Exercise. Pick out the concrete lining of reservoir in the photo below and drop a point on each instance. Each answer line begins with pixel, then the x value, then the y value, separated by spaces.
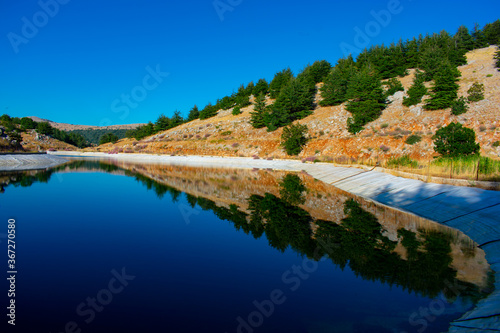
pixel 475 212
pixel 24 162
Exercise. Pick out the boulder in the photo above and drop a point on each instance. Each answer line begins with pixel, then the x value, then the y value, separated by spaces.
pixel 417 111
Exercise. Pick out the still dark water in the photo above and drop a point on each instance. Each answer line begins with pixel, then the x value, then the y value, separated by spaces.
pixel 105 248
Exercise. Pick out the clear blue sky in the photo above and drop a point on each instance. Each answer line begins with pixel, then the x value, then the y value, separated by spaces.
pixel 87 54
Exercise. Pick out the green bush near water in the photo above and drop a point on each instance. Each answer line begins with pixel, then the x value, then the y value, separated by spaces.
pixel 403 161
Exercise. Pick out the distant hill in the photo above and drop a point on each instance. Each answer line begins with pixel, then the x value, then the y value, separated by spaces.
pixel 72 127
pixel 94 135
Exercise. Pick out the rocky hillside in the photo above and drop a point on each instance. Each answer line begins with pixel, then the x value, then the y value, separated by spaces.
pixel 229 135
pixel 30 141
pixel 71 127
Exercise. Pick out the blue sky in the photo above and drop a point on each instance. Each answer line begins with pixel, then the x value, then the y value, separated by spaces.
pixel 81 59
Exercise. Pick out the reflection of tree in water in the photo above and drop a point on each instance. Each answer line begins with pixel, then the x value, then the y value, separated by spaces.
pixel 285 225
pixel 292 190
pixel 160 189
pixel 357 242
pixel 25 179
pixel 28 178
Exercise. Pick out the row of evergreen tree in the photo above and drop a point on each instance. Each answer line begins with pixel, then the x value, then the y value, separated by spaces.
pixel 355 81
pixel 163 123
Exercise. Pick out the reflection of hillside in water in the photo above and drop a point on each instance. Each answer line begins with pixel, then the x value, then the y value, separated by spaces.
pixel 376 242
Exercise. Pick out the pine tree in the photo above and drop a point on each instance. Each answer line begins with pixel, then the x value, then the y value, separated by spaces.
pixel 445 88
pixel 262 87
pixel 463 40
pixel 243 101
pixel 208 111
pixel 492 32
pixel 396 54
pixel 431 59
pixel 176 119
pixel 315 72
pixel 416 91
pixel 334 88
pixel 258 115
pixel 226 102
pixel 194 113
pixel 44 128
pixel 367 98
pixel 478 37
pixel 162 123
pixel 249 89
pixel 411 53
pixel 295 101
pixel 280 80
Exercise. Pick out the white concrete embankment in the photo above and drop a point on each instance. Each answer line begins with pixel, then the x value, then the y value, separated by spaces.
pixel 21 162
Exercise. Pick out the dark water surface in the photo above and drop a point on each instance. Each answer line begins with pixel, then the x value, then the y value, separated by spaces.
pixel 135 248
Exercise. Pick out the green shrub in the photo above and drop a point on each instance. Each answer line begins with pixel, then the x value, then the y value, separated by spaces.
pixel 236 111
pixel 459 106
pixel 412 139
pixel 455 140
pixel 294 138
pixel 226 133
pixel 476 92
pixel 496 144
pixel 403 161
